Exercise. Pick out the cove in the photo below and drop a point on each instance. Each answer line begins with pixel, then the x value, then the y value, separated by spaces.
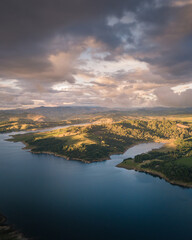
pixel 50 198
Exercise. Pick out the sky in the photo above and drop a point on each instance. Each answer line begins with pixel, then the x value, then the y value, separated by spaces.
pixel 108 53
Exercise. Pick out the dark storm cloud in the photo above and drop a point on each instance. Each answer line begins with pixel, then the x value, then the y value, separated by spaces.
pixel 170 34
pixel 41 43
pixel 28 21
pixel 28 27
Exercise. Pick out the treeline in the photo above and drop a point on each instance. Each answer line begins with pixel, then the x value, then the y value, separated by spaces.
pixel 172 170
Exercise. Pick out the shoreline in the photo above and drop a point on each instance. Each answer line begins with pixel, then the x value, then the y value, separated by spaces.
pixel 120 165
pixel 8 231
pixel 27 147
pixel 156 174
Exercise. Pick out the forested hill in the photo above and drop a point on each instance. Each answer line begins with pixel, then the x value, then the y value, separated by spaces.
pixel 98 141
pixel 173 162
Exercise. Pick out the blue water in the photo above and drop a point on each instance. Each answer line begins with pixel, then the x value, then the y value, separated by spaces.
pixel 50 198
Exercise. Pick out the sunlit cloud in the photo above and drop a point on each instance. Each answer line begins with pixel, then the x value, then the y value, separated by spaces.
pixel 9 83
pixel 182 88
pixel 181 3
pixel 107 67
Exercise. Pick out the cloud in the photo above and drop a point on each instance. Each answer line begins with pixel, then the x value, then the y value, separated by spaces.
pixel 167 97
pixel 105 52
pixel 127 18
pixel 181 3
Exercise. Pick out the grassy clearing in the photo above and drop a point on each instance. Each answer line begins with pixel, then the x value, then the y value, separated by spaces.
pixel 129 164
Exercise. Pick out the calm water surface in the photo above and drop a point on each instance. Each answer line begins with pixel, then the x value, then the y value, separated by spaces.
pixel 50 198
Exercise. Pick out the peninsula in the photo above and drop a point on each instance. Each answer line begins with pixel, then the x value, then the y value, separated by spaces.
pixel 96 142
pixel 173 162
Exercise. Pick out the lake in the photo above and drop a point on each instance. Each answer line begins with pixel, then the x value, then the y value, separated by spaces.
pixel 50 198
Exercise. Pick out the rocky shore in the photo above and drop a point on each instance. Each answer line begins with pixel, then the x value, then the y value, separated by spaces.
pixel 8 232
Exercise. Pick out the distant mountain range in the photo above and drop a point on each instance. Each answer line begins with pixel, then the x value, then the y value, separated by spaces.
pixel 63 113
pixel 50 113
